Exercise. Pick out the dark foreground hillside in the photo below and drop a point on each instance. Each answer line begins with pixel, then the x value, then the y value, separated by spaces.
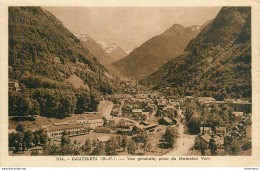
pixel 55 73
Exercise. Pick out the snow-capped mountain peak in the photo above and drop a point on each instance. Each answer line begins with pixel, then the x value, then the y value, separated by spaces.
pixel 195 27
pixel 107 46
pixel 128 51
pixel 82 37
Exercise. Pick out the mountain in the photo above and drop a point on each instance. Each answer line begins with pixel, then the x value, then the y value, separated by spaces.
pixel 114 51
pixel 128 51
pixel 57 74
pixel 94 48
pixel 216 63
pixel 151 55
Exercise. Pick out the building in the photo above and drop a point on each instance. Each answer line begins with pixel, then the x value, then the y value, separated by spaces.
pixel 242 106
pixel 122 123
pixel 175 104
pixel 219 140
pixel 61 124
pixel 202 140
pixel 103 138
pixel 151 127
pixel 220 103
pixel 127 110
pixel 237 114
pixel 149 108
pixel 205 130
pixel 91 123
pixel 11 131
pixel 221 131
pixel 71 130
pixel 135 106
pixel 206 100
pixel 137 112
pixel 102 130
pixel 13 86
pixel 166 121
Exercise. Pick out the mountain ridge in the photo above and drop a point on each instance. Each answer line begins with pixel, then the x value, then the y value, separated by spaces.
pixel 152 54
pixel 216 63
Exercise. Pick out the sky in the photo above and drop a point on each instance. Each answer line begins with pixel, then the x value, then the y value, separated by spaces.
pixel 129 27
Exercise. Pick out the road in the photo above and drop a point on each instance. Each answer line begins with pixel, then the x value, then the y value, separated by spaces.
pixel 183 144
pixel 105 107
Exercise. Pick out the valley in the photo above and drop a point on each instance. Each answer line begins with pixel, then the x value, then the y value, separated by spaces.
pixel 184 92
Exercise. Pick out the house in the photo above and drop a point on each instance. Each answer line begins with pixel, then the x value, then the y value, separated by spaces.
pixel 189 98
pixel 237 114
pixel 91 123
pixel 102 130
pixel 219 140
pixel 169 108
pixel 137 112
pixel 144 123
pixel 221 131
pixel 61 124
pixel 149 108
pixel 202 141
pixel 236 133
pixel 11 131
pixel 147 114
pixel 103 138
pixel 242 106
pixel 124 131
pixel 166 121
pixel 116 112
pixel 135 106
pixel 127 110
pixel 122 123
pixel 13 86
pixel 71 130
pixel 206 99
pixel 151 127
pixel 91 113
pixel 161 104
pixel 205 130
pixel 175 104
pixel 227 140
pixel 220 103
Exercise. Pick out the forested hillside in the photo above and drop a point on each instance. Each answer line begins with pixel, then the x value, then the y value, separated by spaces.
pixel 44 59
pixel 216 63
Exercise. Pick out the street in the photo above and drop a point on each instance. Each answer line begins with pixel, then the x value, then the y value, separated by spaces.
pixel 183 144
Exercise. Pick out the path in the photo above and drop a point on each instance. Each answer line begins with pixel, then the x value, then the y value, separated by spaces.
pixel 183 144
pixel 105 108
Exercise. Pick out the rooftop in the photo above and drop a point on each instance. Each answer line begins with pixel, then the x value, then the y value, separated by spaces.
pixel 103 138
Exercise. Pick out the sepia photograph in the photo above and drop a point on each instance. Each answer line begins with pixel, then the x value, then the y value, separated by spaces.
pixel 87 81
pixel 89 84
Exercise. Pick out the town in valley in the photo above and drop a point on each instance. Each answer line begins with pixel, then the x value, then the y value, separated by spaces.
pixel 185 92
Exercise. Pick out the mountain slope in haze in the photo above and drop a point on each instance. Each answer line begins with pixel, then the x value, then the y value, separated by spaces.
pixel 151 55
pixel 45 59
pixel 115 52
pixel 216 63
pixel 94 48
